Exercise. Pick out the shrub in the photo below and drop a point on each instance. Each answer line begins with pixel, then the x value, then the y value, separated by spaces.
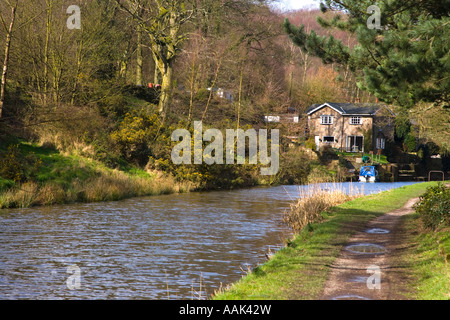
pixel 402 127
pixel 410 143
pixel 294 168
pixel 141 135
pixel 311 143
pixel 11 168
pixel 434 207
pixel 18 168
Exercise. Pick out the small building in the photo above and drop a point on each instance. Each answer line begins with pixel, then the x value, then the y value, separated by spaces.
pixel 222 93
pixel 351 127
pixel 291 115
pixel 282 118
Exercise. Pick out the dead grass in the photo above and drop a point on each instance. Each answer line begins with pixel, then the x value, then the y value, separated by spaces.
pixel 107 186
pixel 313 201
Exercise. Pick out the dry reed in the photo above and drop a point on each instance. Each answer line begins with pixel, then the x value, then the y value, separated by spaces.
pixel 107 186
pixel 313 201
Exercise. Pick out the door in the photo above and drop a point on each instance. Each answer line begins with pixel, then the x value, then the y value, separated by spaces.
pixel 355 144
pixel 317 143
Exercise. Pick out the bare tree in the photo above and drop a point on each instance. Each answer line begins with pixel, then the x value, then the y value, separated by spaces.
pixel 162 21
pixel 9 32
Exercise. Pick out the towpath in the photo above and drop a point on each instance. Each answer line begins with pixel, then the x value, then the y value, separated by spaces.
pixel 367 267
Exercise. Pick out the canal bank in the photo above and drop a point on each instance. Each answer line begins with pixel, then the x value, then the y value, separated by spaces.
pixel 300 270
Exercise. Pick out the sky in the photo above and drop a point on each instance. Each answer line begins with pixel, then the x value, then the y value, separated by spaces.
pixel 297 4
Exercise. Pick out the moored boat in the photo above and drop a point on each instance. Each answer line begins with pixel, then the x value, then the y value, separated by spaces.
pixel 369 174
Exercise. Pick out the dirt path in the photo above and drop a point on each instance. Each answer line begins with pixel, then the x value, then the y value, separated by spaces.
pixel 371 272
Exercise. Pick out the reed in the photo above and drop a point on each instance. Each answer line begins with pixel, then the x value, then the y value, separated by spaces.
pixel 109 185
pixel 20 197
pixel 313 201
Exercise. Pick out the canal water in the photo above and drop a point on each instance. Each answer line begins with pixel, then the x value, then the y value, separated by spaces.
pixel 163 247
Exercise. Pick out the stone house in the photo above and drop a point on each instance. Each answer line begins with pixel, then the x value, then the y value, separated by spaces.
pixel 351 127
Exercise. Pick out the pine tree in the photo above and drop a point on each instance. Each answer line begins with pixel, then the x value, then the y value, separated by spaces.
pixel 405 61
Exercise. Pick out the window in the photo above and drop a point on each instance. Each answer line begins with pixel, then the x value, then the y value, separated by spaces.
pixel 355 143
pixel 328 139
pixel 326 119
pixel 272 118
pixel 381 143
pixel 355 120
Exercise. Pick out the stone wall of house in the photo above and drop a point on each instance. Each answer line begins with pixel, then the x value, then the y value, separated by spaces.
pixel 340 129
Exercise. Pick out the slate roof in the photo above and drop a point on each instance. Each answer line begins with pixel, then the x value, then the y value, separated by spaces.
pixel 347 108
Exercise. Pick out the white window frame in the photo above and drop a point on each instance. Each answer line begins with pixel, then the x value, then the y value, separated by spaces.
pixel 356 120
pixel 351 147
pixel 326 119
pixel 272 118
pixel 381 143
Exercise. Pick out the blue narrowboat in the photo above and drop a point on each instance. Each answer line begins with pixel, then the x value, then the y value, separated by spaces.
pixel 369 174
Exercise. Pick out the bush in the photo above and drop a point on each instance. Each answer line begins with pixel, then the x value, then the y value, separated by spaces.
pixel 16 167
pixel 311 143
pixel 6 184
pixel 11 168
pixel 410 143
pixel 140 135
pixel 434 207
pixel 402 127
pixel 294 168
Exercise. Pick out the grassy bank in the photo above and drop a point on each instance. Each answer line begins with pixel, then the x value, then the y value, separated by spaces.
pixel 428 254
pixel 53 178
pixel 429 259
pixel 299 271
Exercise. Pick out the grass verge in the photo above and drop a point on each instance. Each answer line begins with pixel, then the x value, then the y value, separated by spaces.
pixel 299 271
pixel 428 257
pixel 62 179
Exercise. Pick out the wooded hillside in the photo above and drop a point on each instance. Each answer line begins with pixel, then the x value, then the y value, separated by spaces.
pixel 86 90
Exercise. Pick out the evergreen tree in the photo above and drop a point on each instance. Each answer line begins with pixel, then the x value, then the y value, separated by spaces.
pixel 404 61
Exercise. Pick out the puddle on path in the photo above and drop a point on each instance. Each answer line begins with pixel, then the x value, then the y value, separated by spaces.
pixel 350 297
pixel 366 248
pixel 377 231
pixel 358 279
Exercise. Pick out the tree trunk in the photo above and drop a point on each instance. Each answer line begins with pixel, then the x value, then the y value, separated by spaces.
pixel 241 80
pixel 157 77
pixel 305 67
pixel 192 87
pixel 139 57
pixel 77 73
pixel 46 50
pixel 166 90
pixel 211 93
pixel 57 70
pixel 5 63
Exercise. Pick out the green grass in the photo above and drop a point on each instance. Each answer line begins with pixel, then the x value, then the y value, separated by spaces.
pixel 429 259
pixel 72 178
pixel 59 168
pixel 299 271
pixel 382 159
pixel 5 184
